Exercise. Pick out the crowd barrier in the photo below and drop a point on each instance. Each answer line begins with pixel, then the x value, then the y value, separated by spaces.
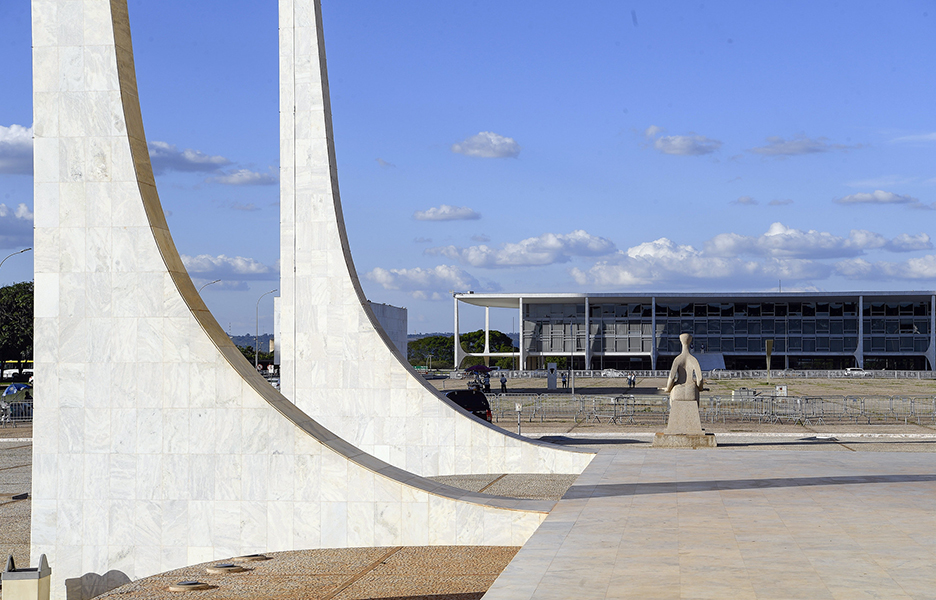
pixel 15 413
pixel 654 410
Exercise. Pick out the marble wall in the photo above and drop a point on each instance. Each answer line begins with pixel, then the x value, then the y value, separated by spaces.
pixel 156 444
pixel 336 362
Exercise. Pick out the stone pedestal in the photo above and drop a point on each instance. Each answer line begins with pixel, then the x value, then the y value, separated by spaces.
pixel 684 440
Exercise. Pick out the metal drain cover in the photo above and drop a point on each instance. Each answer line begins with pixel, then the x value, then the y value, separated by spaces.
pixel 187 586
pixel 224 568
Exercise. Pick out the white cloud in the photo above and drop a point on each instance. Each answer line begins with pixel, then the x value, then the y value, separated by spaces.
pixel 778 146
pixel 913 269
pixel 908 243
pixel 166 157
pixel 781 241
pixel 384 163
pixel 662 263
pixel 447 213
pixel 652 131
pixel 228 268
pixel 686 145
pixel 480 238
pixel 783 202
pixel 16 150
pixel 433 283
pixel 547 249
pixel 16 226
pixel 245 177
pixel 882 197
pixel 487 144
pixel 745 201
pixel 922 137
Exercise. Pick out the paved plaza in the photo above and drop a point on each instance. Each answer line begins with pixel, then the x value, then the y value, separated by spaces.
pixel 780 514
pixel 736 523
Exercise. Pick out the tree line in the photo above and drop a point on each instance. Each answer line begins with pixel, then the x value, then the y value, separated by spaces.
pixel 442 349
pixel 16 324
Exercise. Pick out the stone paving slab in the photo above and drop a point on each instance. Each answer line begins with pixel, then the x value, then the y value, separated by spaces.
pixel 729 523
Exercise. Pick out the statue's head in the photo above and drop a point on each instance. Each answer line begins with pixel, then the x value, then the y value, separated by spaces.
pixel 685 338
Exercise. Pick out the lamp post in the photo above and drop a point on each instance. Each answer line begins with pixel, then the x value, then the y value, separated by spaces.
pixel 257 337
pixel 14 254
pixel 207 284
pixel 430 363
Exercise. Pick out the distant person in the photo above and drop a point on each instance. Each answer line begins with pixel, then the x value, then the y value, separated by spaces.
pixel 503 384
pixel 487 383
pixel 565 382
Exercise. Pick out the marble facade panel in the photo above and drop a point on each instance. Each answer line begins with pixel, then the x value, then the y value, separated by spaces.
pixel 157 445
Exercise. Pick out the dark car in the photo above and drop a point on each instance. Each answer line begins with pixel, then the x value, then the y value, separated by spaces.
pixel 473 401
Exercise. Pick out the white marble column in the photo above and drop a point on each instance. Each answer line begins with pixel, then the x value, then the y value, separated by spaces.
pixel 155 443
pixel 336 362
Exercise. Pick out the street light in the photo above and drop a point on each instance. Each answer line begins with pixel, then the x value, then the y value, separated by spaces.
pixel 14 254
pixel 257 337
pixel 207 284
pixel 430 362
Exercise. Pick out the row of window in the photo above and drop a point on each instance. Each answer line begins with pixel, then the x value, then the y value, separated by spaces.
pixel 735 344
pixel 920 308
pixel 697 327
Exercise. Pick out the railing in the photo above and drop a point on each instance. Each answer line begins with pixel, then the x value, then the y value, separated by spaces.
pixel 716 374
pixel 654 410
pixel 15 413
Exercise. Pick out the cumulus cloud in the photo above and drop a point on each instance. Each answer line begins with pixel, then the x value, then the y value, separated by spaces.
pixel 778 146
pixel 166 157
pixel 652 131
pixel 16 150
pixel 16 226
pixel 686 145
pixel 228 268
pixel 745 201
pixel 781 241
pixel 547 249
pixel 882 197
pixel 487 144
pixel 783 202
pixel 445 212
pixel 663 262
pixel 245 177
pixel 923 267
pixel 432 283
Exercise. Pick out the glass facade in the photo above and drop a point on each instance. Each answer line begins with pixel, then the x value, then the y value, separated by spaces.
pixel 809 332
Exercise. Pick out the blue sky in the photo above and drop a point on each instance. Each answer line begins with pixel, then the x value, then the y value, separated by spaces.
pixel 532 147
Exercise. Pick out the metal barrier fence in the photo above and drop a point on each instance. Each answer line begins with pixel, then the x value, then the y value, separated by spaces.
pixel 654 410
pixel 15 413
pixel 715 374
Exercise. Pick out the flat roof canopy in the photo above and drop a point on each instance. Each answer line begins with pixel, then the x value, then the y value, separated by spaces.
pixel 513 300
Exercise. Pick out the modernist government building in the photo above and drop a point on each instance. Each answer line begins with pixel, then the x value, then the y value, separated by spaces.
pixel 873 330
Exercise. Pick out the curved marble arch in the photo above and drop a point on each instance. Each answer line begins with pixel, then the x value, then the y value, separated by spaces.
pixel 155 443
pixel 336 362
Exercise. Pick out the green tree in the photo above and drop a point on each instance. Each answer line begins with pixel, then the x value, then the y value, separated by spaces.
pixel 248 352
pixel 16 322
pixel 441 347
